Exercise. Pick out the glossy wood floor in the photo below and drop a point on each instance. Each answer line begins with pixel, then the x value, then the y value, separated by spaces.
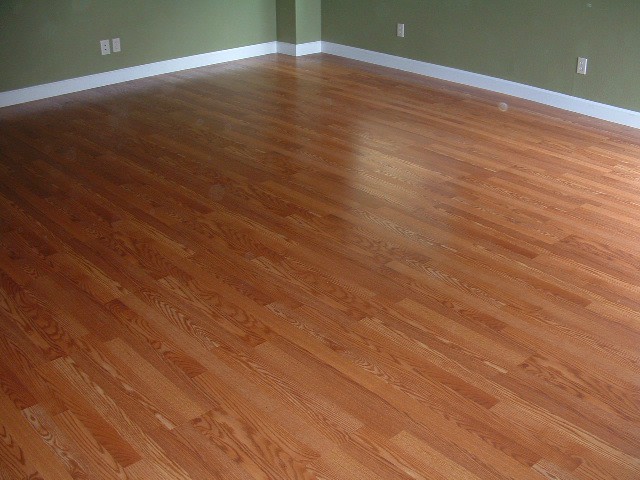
pixel 313 268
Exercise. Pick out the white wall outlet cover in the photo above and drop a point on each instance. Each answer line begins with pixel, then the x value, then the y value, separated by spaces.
pixel 105 47
pixel 116 44
pixel 400 30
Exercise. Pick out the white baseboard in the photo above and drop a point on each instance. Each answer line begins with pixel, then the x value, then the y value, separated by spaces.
pixel 287 49
pixel 299 50
pixel 78 84
pixel 546 97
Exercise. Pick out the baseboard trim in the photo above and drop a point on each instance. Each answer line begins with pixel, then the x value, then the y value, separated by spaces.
pixel 78 84
pixel 590 108
pixel 299 50
pixel 287 49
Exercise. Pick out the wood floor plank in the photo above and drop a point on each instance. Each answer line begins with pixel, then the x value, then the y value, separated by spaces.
pixel 313 268
pixel 27 447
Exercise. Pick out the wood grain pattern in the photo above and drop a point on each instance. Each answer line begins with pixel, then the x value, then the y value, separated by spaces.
pixel 311 268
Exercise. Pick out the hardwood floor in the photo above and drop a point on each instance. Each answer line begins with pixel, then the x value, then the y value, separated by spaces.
pixel 309 268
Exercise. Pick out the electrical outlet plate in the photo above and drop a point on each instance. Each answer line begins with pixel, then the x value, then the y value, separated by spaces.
pixel 400 30
pixel 115 42
pixel 582 65
pixel 105 47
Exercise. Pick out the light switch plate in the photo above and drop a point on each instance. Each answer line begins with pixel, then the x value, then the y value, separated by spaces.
pixel 582 65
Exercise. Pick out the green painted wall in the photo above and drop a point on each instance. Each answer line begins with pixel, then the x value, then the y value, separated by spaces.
pixel 43 41
pixel 308 21
pixel 286 15
pixel 534 42
pixel 299 21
